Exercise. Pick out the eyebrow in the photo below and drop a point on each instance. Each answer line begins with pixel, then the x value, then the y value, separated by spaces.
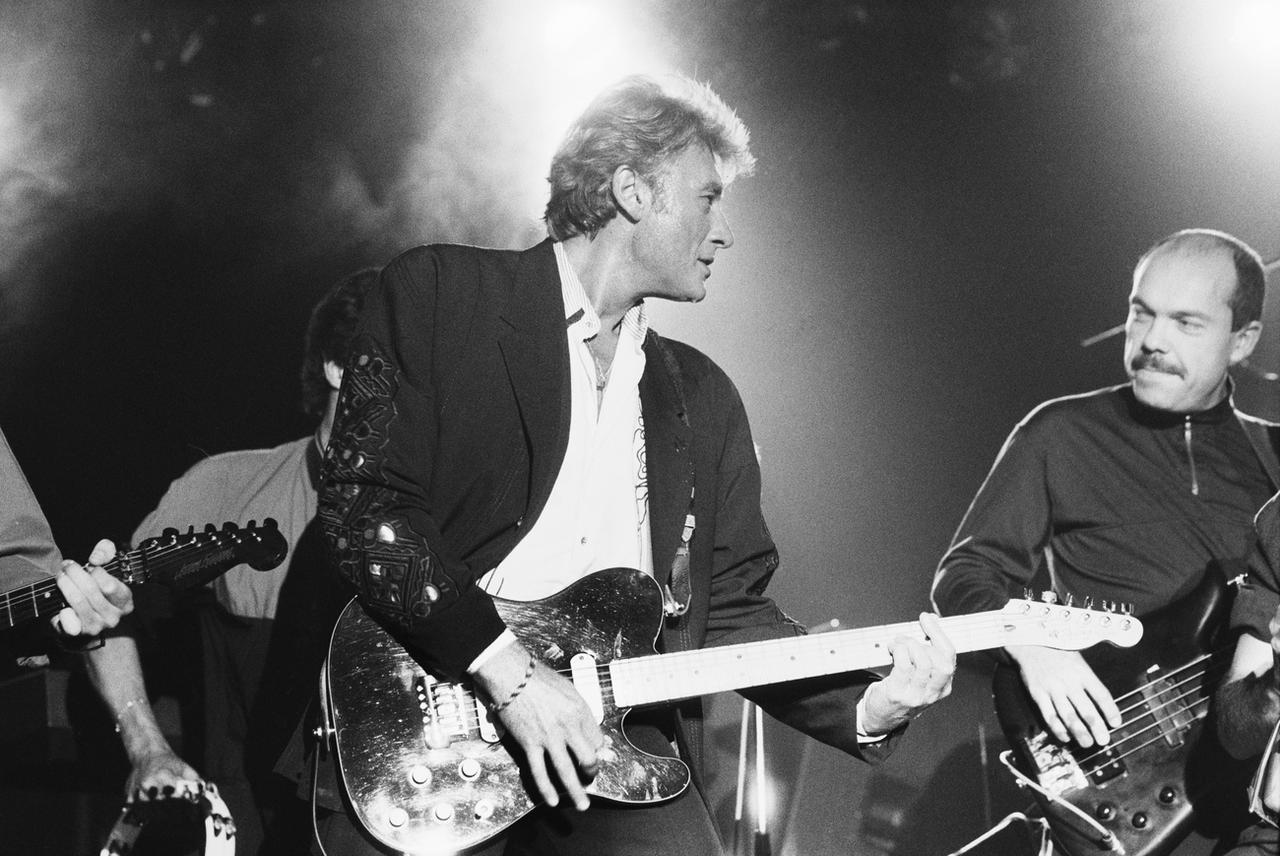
pixel 1180 315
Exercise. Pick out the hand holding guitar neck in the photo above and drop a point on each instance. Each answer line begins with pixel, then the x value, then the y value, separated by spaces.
pixel 96 601
pixel 548 720
pixel 921 675
pixel 1072 701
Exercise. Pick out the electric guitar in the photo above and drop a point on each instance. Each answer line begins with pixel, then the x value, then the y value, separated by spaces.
pixel 427 770
pixel 1142 793
pixel 176 560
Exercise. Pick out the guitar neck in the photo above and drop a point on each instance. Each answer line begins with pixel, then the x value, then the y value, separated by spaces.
pixel 685 674
pixel 44 598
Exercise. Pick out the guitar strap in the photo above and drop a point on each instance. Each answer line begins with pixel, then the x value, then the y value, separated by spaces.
pixel 1265 439
pixel 679 590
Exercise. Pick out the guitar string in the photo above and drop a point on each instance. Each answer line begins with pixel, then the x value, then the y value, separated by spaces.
pixel 604 671
pixel 1167 711
pixel 36 592
pixel 1156 738
pixel 1137 691
pixel 663 662
pixel 1156 722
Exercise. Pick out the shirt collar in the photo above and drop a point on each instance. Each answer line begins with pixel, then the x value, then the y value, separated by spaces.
pixel 580 316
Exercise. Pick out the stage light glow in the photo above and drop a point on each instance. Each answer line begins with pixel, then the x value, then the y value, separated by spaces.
pixel 1252 34
pixel 1232 47
pixel 529 69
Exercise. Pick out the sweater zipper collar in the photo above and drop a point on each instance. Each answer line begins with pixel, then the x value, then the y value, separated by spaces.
pixel 1191 457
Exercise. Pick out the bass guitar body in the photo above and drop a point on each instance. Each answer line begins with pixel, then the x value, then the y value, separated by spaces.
pixel 1160 776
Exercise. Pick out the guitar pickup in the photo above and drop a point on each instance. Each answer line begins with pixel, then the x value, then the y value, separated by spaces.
pixel 1167 705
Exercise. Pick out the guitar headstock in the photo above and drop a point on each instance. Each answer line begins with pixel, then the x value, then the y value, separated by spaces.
pixel 1066 627
pixel 192 558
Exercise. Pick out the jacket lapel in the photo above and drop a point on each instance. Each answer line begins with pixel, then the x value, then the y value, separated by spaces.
pixel 533 348
pixel 668 454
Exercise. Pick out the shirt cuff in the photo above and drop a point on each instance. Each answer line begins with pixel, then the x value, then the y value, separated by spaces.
pixel 863 737
pixel 504 639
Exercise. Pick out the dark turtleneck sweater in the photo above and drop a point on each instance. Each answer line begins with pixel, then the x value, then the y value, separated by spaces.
pixel 1115 500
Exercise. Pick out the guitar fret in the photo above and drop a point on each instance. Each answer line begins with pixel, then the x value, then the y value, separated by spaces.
pixel 666 677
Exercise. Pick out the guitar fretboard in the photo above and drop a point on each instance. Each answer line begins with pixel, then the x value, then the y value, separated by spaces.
pixel 667 677
pixel 44 598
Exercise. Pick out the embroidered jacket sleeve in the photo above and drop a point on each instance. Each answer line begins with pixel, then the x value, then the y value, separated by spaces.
pixel 744 560
pixel 378 526
pixel 1001 540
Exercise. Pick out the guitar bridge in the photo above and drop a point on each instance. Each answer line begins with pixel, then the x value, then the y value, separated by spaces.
pixel 1056 768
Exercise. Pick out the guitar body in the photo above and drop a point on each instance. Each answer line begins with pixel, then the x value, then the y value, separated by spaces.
pixel 437 779
pixel 1154 781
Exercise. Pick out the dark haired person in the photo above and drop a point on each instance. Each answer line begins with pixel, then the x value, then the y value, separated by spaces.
pixel 509 423
pixel 1130 493
pixel 237 632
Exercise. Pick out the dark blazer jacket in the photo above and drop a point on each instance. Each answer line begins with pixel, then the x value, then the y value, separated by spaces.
pixel 451 428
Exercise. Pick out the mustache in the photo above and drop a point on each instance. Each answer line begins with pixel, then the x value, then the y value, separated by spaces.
pixel 1155 362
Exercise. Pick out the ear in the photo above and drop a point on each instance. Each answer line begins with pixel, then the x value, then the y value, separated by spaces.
pixel 1244 340
pixel 631 193
pixel 333 374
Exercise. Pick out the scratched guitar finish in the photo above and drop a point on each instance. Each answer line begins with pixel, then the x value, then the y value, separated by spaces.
pixel 427 772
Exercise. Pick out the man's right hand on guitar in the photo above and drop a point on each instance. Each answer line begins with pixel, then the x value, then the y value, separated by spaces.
pixel 548 720
pixel 1073 703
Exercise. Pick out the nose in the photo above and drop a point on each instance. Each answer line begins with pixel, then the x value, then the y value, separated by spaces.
pixel 1154 336
pixel 721 235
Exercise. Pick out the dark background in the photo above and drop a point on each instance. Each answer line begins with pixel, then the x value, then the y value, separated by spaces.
pixel 950 198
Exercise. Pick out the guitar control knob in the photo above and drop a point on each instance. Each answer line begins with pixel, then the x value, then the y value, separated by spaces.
pixel 419 775
pixel 469 768
pixel 1140 820
pixel 484 810
pixel 1104 811
pixel 442 812
pixel 1167 795
pixel 397 817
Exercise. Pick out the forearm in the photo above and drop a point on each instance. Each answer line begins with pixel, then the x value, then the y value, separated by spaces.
pixel 1247 710
pixel 116 673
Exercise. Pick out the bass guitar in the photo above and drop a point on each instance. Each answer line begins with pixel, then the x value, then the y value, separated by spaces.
pixel 174 559
pixel 427 769
pixel 1142 793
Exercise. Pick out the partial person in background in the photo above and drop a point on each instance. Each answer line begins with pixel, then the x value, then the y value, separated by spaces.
pixel 96 601
pixel 1133 493
pixel 237 632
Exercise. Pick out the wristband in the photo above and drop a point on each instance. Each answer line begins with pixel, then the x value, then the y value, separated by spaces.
pixel 528 673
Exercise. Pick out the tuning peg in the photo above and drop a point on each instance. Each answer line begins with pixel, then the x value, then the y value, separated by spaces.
pixel 1028 594
pixel 210 528
pixel 1071 600
pixel 1088 602
pixel 229 527
pixel 1049 597
pixel 253 524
